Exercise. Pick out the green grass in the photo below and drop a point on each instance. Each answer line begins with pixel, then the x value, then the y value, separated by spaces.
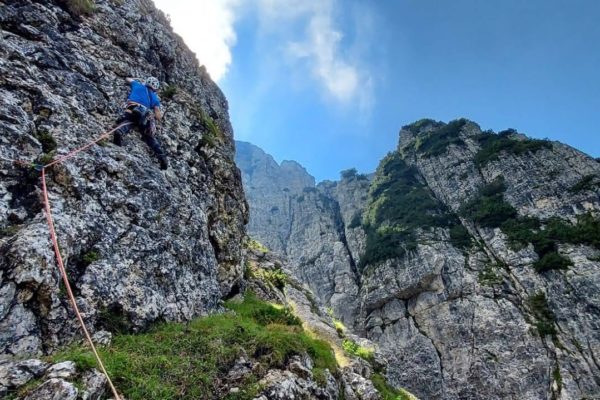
pixel 489 276
pixel 23 391
pixel 557 377
pixel 353 348
pixel 506 141
pixel 168 92
pixel 386 391
pixel 90 257
pixel 10 230
pixel 545 318
pixel 211 132
pixel 188 361
pixel 255 245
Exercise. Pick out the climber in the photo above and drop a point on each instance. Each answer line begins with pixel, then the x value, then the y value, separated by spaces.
pixel 141 103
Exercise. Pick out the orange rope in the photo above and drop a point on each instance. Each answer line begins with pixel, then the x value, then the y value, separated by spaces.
pixel 59 259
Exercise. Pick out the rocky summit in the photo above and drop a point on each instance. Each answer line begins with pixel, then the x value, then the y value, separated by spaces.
pixel 471 258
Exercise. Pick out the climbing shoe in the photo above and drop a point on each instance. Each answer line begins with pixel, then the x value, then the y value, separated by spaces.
pixel 118 139
pixel 164 164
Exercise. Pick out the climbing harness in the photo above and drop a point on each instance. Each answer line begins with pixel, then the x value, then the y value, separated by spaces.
pixel 54 240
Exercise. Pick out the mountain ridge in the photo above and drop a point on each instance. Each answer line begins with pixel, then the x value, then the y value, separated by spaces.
pixel 461 224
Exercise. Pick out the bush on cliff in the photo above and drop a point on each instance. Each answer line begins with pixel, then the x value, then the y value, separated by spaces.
pixel 493 144
pixel 489 209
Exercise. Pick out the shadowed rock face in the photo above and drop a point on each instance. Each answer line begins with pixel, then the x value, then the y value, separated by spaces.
pixel 141 245
pixel 460 321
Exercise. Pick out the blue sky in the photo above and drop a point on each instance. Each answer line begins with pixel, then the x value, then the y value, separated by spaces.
pixel 329 83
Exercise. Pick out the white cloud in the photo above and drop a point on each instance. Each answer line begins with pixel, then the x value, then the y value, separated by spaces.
pixel 304 33
pixel 319 47
pixel 207 26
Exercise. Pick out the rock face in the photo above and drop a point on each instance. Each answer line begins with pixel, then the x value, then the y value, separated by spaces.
pixel 471 258
pixel 140 245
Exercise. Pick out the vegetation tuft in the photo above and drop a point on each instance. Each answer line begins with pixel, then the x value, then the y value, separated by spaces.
pixel 399 204
pixel 386 391
pixel 189 361
pixel 81 7
pixel 168 92
pixel 460 237
pixel 211 132
pixel 90 257
pixel 489 276
pixel 417 126
pixel 352 173
pixel 356 220
pixel 588 182
pixel 545 318
pixel 353 348
pixel 489 209
pixel 437 141
pixel 492 144
pixel 255 245
pixel 47 141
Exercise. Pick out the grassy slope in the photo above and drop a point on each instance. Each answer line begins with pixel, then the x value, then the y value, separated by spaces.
pixel 189 361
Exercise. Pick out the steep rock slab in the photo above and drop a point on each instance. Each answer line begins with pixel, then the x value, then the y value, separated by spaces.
pixel 140 245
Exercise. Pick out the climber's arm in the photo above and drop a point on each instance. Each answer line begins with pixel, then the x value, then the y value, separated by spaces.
pixel 157 113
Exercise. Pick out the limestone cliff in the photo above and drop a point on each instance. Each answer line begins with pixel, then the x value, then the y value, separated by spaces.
pixel 471 258
pixel 140 244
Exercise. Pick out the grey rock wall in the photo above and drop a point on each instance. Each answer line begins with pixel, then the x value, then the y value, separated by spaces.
pixel 140 244
pixel 458 323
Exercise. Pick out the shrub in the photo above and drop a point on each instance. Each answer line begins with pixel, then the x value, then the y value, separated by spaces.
pixel 551 260
pixel 47 141
pixel 544 316
pixel 211 132
pixel 460 237
pixel 417 126
pixel 488 208
pixel 90 257
pixel 275 277
pixel 46 158
pixel 586 183
pixel 492 145
pixel 81 7
pixel 437 141
pixel 190 361
pixel 356 220
pixel 340 328
pixel 253 244
pixel 489 277
pixel 349 173
pixel 168 92
pixel 399 203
